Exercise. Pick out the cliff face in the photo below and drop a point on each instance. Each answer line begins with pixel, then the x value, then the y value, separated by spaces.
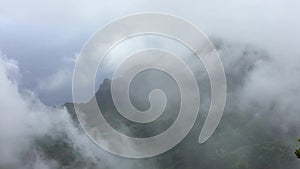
pixel 242 141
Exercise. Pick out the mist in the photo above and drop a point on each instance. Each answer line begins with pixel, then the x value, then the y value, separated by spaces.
pixel 33 135
pixel 257 43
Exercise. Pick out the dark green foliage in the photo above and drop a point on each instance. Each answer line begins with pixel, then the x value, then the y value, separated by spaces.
pixel 58 149
pixel 242 141
pixel 297 152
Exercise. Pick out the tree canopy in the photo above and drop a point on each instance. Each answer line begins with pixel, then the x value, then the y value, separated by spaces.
pixel 297 152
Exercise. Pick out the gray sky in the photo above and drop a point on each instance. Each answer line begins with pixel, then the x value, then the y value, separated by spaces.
pixel 45 37
pixel 39 41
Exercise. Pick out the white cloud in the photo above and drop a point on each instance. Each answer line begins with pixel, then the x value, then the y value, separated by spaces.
pixel 56 82
pixel 271 24
pixel 23 118
pixel 20 119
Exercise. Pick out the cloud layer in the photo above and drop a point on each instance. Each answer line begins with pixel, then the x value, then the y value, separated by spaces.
pixel 25 121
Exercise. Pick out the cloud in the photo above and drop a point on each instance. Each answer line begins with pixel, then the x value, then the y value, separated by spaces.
pixel 56 82
pixel 19 121
pixel 63 12
pixel 24 120
pixel 53 29
pixel 27 126
pixel 260 81
pixel 54 88
pixel 273 88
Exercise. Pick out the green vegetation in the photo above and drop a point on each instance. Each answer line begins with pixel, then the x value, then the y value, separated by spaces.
pixel 297 152
pixel 61 150
pixel 58 149
pixel 241 141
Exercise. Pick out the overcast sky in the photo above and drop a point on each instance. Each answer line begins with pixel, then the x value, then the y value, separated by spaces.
pixel 44 37
pixel 40 40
